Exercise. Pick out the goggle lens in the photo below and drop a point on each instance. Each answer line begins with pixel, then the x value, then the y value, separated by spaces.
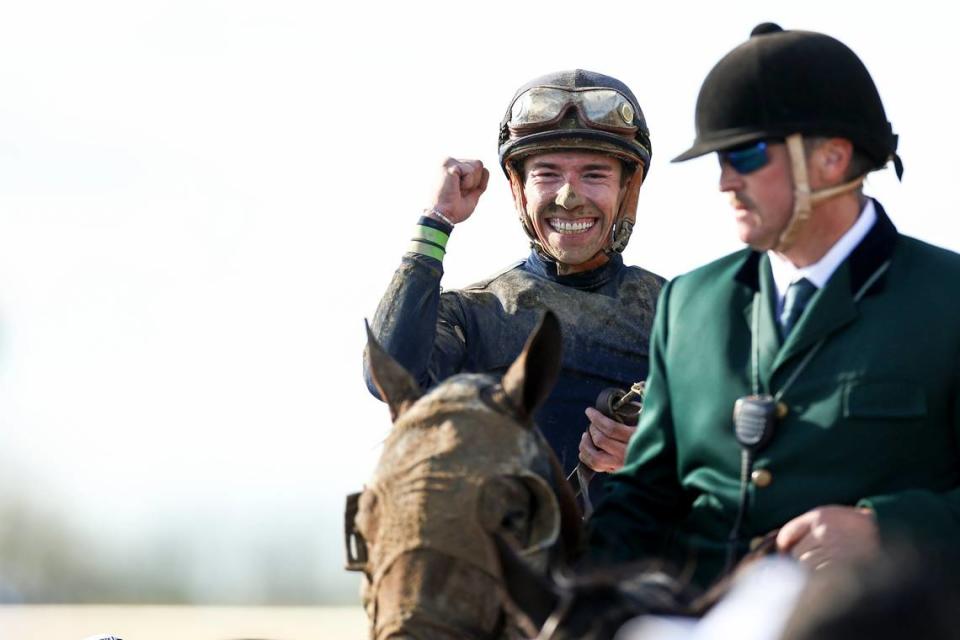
pixel 746 159
pixel 601 108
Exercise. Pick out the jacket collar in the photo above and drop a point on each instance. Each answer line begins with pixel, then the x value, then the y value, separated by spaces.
pixel 875 249
pixel 833 304
pixel 592 279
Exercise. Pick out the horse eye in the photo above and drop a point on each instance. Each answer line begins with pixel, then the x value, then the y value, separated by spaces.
pixel 515 522
pixel 505 507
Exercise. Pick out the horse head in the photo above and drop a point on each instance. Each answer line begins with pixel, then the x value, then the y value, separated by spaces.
pixel 462 460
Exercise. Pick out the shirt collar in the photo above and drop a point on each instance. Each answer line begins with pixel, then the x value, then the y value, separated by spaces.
pixel 583 280
pixel 785 273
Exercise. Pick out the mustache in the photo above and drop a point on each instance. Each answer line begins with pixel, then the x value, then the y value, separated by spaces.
pixel 738 198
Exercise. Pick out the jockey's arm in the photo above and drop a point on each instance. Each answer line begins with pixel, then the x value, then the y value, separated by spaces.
pixel 417 325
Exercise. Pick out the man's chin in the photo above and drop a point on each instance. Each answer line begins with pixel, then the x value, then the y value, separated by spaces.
pixel 568 258
pixel 748 237
pixel 575 262
pixel 760 246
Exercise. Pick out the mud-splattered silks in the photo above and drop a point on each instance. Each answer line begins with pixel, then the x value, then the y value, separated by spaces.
pixel 605 315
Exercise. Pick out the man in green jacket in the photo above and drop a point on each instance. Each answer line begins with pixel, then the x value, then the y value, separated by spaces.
pixel 839 337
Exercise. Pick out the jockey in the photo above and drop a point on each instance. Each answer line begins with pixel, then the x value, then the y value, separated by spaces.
pixel 575 147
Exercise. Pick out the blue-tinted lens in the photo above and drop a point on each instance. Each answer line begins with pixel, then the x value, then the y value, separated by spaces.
pixel 747 159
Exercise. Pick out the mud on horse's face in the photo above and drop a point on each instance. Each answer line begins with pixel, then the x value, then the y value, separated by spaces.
pixel 461 461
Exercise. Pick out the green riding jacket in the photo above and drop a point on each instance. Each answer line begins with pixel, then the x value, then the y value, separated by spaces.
pixel 873 418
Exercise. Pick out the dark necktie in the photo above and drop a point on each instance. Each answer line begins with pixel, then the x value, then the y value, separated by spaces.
pixel 796 299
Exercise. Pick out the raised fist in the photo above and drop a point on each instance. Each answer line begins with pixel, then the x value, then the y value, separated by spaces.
pixel 460 188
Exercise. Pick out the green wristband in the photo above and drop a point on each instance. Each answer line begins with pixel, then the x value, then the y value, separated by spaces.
pixel 428 240
pixel 425 249
pixel 433 236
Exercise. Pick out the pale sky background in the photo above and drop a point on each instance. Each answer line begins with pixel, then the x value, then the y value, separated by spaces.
pixel 201 201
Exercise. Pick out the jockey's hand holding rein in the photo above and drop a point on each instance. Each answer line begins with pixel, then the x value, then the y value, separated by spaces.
pixel 603 445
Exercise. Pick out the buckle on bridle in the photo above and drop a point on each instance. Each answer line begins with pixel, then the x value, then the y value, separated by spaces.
pixel 356 545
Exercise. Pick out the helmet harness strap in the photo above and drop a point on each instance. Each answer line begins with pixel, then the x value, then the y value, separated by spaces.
pixel 803 199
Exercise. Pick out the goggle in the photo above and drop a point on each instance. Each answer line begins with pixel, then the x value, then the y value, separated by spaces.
pixel 746 158
pixel 598 108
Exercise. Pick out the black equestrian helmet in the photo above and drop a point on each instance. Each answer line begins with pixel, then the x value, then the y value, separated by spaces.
pixel 779 83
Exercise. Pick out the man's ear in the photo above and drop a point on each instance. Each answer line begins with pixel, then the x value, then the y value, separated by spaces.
pixel 832 159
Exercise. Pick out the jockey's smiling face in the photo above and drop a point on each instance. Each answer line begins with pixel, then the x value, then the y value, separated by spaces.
pixel 572 199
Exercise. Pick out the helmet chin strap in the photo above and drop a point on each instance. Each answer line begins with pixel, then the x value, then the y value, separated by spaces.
pixel 619 232
pixel 805 200
pixel 627 214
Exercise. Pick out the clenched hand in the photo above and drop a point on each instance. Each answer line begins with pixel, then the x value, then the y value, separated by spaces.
pixel 461 185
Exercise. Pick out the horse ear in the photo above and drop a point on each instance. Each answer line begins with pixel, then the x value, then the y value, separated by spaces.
pixel 532 375
pixel 395 384
pixel 531 597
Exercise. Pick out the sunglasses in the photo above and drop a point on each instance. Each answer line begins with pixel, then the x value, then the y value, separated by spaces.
pixel 746 158
pixel 598 108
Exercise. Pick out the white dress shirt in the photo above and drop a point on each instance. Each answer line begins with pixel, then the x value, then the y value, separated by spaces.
pixel 785 273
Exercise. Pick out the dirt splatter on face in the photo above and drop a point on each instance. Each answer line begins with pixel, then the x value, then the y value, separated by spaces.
pixel 572 199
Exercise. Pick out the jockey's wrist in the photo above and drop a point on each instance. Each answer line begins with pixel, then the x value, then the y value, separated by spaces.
pixel 437 214
pixel 430 238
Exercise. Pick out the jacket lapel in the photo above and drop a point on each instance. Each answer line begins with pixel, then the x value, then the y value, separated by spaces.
pixel 756 275
pixel 768 329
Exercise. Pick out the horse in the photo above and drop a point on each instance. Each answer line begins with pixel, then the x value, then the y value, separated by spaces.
pixel 461 462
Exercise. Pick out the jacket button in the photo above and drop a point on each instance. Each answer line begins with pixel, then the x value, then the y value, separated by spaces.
pixel 782 410
pixel 761 478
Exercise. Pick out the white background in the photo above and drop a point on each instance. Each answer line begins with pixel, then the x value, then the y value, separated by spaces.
pixel 201 201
